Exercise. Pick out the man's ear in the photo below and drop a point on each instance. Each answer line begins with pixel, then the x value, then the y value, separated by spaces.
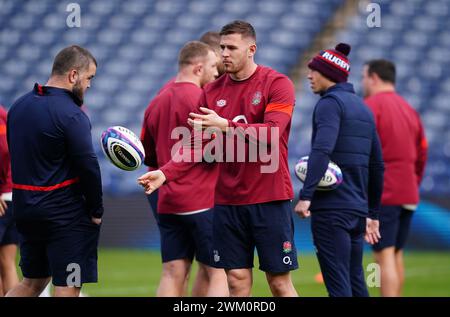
pixel 73 76
pixel 198 69
pixel 374 78
pixel 251 50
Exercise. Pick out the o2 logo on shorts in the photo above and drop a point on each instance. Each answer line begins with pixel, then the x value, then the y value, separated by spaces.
pixel 287 260
pixel 287 248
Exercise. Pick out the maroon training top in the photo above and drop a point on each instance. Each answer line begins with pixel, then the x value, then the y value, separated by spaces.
pixel 404 147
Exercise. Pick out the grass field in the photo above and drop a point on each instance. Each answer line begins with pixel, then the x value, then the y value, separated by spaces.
pixel 124 272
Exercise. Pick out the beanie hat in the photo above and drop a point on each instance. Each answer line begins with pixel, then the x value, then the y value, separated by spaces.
pixel 333 64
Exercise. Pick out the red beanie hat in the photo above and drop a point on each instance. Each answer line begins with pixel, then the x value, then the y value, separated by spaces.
pixel 333 64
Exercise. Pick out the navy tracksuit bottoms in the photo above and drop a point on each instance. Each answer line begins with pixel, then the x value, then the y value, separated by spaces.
pixel 339 240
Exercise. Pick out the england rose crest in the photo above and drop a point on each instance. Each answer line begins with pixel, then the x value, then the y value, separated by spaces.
pixel 256 98
pixel 287 247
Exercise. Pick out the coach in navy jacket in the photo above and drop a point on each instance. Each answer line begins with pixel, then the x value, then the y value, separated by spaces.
pixel 56 179
pixel 343 132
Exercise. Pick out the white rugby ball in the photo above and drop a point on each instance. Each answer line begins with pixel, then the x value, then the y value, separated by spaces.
pixel 333 176
pixel 123 148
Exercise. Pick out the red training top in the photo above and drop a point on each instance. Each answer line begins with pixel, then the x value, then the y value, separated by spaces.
pixel 166 85
pixel 170 109
pixel 265 100
pixel 5 164
pixel 404 147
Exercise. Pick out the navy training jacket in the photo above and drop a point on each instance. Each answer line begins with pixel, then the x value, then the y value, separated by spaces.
pixel 55 172
pixel 344 132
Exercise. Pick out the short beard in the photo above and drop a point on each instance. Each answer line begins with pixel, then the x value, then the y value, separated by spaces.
pixel 221 70
pixel 77 90
pixel 231 69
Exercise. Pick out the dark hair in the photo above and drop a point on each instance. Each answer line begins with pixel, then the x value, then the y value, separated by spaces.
pixel 191 51
pixel 239 27
pixel 383 68
pixel 212 39
pixel 72 57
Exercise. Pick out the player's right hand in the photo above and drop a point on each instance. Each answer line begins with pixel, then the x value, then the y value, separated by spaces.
pixel 97 221
pixel 151 181
pixel 3 207
pixel 372 235
pixel 302 208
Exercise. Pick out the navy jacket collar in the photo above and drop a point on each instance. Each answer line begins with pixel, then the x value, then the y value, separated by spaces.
pixel 46 90
pixel 340 87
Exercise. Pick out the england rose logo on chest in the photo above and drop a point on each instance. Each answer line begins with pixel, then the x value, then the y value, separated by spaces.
pixel 256 100
pixel 221 103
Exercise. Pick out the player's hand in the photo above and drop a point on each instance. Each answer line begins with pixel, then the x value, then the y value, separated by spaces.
pixel 151 181
pixel 208 120
pixel 3 207
pixel 97 221
pixel 372 235
pixel 302 208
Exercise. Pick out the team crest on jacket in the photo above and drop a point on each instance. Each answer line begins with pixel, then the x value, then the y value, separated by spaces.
pixel 256 98
pixel 221 103
pixel 287 247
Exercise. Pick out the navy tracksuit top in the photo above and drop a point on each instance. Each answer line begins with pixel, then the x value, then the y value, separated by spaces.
pixel 345 133
pixel 55 172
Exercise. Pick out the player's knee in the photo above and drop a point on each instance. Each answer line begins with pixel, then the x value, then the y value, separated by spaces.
pixel 36 285
pixel 67 291
pixel 279 284
pixel 238 279
pixel 238 276
pixel 178 270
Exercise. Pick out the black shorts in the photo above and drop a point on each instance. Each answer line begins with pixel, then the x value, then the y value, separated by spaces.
pixel 268 227
pixel 395 222
pixel 183 236
pixel 8 230
pixel 68 256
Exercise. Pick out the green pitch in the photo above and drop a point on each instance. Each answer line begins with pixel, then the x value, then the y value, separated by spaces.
pixel 124 272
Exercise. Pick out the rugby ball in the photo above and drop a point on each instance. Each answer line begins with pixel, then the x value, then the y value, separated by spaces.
pixel 332 178
pixel 122 147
